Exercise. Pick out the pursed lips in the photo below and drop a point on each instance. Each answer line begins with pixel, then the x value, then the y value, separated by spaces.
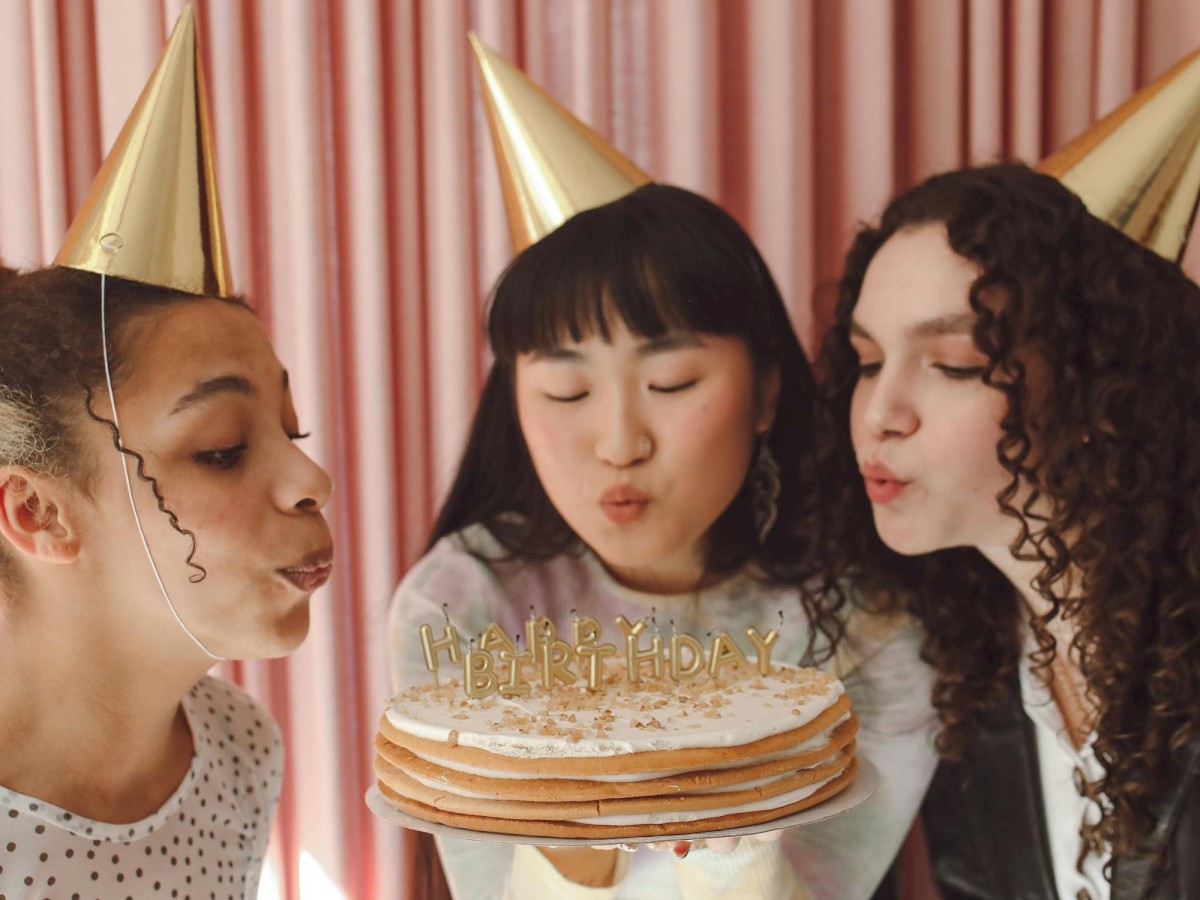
pixel 623 503
pixel 311 571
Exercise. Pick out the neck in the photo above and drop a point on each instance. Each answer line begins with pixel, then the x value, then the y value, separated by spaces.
pixel 99 712
pixel 1064 677
pixel 1021 573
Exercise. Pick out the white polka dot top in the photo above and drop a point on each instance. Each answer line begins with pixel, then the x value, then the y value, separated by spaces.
pixel 206 842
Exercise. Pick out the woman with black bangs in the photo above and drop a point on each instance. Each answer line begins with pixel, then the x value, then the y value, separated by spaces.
pixel 650 443
pixel 1022 385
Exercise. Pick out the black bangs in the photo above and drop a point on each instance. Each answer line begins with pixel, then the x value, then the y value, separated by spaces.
pixel 661 259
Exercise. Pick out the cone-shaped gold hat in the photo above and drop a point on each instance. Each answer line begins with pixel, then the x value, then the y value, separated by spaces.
pixel 1138 168
pixel 551 164
pixel 152 214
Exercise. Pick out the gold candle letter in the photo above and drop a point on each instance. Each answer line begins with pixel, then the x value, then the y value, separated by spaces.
pixel 431 648
pixel 724 649
pixel 594 654
pixel 636 657
pixel 556 662
pixel 539 631
pixel 516 686
pixel 586 631
pixel 678 671
pixel 479 676
pixel 762 646
pixel 494 636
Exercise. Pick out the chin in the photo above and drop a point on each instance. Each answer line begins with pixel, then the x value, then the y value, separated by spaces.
pixel 632 554
pixel 908 541
pixel 293 629
pixel 281 636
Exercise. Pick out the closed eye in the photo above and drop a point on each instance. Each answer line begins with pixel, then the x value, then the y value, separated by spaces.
pixel 572 398
pixel 869 370
pixel 673 388
pixel 960 373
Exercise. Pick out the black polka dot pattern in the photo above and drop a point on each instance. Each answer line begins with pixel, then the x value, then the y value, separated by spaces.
pixel 207 841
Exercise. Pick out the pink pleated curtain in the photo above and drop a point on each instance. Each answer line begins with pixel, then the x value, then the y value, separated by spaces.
pixel 366 225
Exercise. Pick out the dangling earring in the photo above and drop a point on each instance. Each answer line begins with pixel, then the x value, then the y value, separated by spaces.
pixel 764 490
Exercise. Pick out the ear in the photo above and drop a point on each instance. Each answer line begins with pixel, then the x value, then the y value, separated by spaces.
pixel 769 386
pixel 32 517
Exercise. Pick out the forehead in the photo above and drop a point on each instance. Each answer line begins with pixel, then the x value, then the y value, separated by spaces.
pixel 915 276
pixel 621 344
pixel 188 342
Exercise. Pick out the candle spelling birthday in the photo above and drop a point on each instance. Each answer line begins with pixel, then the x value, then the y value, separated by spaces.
pixel 495 663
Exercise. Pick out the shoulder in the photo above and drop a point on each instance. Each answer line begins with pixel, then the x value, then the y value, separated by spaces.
pixel 471 567
pixel 240 738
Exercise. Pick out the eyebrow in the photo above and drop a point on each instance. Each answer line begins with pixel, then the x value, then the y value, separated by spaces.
pixel 222 384
pixel 952 323
pixel 677 340
pixel 206 390
pixel 674 341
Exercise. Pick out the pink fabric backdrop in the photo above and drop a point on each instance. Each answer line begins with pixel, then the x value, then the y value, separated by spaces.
pixel 365 222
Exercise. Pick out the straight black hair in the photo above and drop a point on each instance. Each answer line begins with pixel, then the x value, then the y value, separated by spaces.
pixel 658 260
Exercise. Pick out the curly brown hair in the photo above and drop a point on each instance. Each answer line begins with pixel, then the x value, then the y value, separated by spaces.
pixel 51 365
pixel 1107 448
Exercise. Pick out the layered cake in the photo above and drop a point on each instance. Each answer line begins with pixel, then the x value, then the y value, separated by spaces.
pixel 657 757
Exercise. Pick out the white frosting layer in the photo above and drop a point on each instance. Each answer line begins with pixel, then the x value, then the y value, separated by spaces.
pixel 691 815
pixel 813 743
pixel 722 789
pixel 659 714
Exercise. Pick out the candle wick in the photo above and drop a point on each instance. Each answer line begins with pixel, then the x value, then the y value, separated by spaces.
pixel 445 614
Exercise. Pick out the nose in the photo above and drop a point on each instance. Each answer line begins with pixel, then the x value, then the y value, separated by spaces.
pixel 624 438
pixel 889 409
pixel 305 486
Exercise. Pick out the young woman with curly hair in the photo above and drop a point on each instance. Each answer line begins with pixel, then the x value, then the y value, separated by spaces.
pixel 1022 386
pixel 645 370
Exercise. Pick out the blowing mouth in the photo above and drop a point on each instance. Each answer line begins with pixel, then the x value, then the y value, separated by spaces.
pixel 623 503
pixel 311 571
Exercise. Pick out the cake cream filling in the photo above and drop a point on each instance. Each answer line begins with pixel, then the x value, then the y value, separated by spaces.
pixel 716 789
pixel 691 815
pixel 813 743
pixel 757 713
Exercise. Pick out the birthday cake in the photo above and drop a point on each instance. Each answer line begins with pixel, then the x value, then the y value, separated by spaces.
pixel 629 753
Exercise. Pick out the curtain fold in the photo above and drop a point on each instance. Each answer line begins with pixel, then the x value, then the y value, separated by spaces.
pixel 366 226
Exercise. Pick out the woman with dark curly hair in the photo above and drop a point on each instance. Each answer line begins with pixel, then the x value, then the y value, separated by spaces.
pixel 1022 386
pixel 646 376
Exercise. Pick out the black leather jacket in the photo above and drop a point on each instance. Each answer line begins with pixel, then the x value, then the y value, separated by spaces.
pixel 986 826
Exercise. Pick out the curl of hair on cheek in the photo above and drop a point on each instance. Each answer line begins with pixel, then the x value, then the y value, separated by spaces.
pixel 201 573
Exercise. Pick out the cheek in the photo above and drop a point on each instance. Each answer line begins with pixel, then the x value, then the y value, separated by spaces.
pixel 551 439
pixel 212 508
pixel 858 404
pixel 967 445
pixel 717 434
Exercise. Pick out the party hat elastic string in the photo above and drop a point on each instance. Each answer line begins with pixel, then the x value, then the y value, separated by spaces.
pixel 112 400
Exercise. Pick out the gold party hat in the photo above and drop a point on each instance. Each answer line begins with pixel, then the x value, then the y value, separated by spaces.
pixel 1138 168
pixel 152 214
pixel 552 166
